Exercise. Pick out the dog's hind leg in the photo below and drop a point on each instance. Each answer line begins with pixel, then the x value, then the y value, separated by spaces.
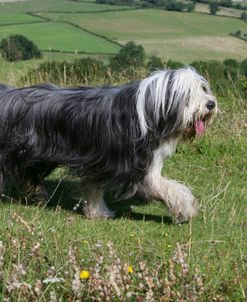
pixel 95 206
pixel 32 184
pixel 35 190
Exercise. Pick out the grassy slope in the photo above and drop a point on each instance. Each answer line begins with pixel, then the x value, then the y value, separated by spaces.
pixel 10 18
pixel 171 35
pixel 224 11
pixel 153 23
pixel 214 166
pixel 60 36
pixel 54 5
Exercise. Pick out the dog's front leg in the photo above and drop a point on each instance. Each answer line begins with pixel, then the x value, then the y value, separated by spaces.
pixel 177 197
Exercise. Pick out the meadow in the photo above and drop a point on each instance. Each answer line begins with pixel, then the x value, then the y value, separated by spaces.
pixel 224 11
pixel 166 34
pixel 82 26
pixel 17 18
pixel 54 5
pixel 61 37
pixel 51 252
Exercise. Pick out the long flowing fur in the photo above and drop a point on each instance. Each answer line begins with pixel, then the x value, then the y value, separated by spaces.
pixel 108 136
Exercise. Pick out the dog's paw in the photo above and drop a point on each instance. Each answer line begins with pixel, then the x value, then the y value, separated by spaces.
pixel 97 211
pixel 183 204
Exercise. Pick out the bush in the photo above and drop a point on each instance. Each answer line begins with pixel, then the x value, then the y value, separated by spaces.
pixel 130 56
pixel 214 72
pixel 18 47
pixel 175 6
pixel 173 64
pixel 155 63
pixel 243 16
pixel 214 8
pixel 190 7
pixel 232 67
pixel 226 3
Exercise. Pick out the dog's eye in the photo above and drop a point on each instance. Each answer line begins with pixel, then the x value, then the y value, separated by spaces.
pixel 204 88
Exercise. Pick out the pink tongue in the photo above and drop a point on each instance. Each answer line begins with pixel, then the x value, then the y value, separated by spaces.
pixel 199 127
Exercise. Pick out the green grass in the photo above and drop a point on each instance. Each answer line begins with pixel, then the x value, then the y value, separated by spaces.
pixel 214 166
pixel 11 72
pixel 13 18
pixel 152 23
pixel 171 35
pixel 54 5
pixel 60 36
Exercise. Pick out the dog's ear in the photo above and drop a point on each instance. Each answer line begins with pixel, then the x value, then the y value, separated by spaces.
pixel 161 99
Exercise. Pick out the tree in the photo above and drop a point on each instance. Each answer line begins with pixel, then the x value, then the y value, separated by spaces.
pixel 155 63
pixel 18 47
pixel 226 3
pixel 243 16
pixel 214 8
pixel 190 7
pixel 131 55
pixel 175 6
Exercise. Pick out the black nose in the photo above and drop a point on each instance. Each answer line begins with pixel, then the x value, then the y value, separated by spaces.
pixel 210 105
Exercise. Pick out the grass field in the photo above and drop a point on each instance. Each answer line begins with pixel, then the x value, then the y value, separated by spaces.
pixel 185 37
pixel 215 241
pixel 224 11
pixel 13 18
pixel 152 23
pixel 170 35
pixel 54 5
pixel 60 36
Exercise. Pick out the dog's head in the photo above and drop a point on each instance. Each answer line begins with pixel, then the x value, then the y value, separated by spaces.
pixel 200 105
pixel 181 98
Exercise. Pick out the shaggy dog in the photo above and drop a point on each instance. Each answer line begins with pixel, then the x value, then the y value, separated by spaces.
pixel 113 138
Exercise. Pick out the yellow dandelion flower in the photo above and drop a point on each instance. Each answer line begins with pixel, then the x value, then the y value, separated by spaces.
pixel 132 235
pixel 85 242
pixel 130 269
pixel 84 274
pixel 168 245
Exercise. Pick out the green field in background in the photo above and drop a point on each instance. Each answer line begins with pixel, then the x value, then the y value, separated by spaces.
pixel 60 36
pixel 171 35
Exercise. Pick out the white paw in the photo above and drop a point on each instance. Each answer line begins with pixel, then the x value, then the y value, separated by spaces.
pixel 183 205
pixel 97 210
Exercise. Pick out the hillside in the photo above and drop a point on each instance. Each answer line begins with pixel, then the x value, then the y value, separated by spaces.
pixel 77 26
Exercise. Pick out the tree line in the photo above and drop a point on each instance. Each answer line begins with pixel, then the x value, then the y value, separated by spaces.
pixel 132 63
pixel 176 5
